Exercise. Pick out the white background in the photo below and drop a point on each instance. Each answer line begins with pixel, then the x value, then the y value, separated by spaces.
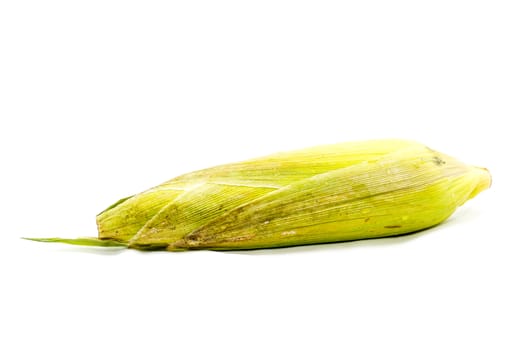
pixel 103 99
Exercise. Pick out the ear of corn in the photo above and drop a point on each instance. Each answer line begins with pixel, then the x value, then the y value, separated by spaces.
pixel 323 194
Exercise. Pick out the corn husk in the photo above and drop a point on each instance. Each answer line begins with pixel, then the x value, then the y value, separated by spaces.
pixel 323 194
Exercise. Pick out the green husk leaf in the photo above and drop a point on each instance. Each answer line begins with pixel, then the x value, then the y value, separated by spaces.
pixel 83 241
pixel 192 209
pixel 344 204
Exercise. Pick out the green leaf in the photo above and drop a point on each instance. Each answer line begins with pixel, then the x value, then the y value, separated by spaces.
pixel 83 241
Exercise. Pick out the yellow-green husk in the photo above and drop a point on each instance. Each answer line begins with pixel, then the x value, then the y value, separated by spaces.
pixel 323 194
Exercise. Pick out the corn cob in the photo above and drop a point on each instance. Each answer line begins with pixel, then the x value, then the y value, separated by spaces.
pixel 323 194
